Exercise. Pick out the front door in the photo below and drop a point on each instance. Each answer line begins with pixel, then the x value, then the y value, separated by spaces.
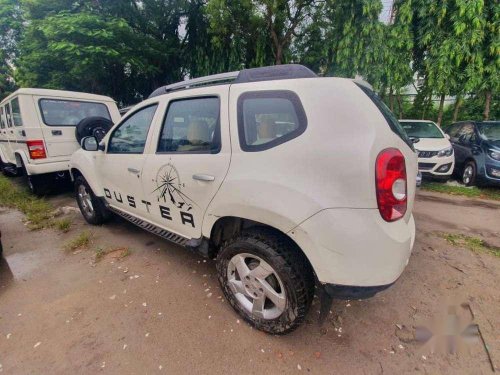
pixel 120 167
pixel 189 160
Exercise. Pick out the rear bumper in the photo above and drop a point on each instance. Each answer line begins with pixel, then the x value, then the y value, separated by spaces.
pixel 50 167
pixel 354 292
pixel 356 247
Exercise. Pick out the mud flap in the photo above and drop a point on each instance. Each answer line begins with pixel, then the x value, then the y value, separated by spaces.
pixel 326 301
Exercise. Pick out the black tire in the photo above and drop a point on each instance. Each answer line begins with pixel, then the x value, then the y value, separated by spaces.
pixel 92 126
pixel 290 265
pixel 469 174
pixel 98 213
pixel 37 184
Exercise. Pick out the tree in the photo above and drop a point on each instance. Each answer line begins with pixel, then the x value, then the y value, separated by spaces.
pixel 84 52
pixel 10 32
pixel 355 38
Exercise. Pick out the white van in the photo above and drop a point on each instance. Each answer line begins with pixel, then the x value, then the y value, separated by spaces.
pixel 40 129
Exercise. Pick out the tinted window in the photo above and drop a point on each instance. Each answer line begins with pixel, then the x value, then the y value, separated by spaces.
pixel 453 130
pixel 420 129
pixel 57 112
pixel 269 118
pixel 16 112
pixel 490 130
pixel 466 133
pixel 191 125
pixel 130 137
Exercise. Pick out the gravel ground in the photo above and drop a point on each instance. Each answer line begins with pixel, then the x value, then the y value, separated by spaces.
pixel 152 307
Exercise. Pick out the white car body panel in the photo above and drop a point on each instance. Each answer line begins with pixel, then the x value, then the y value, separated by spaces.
pixel 317 188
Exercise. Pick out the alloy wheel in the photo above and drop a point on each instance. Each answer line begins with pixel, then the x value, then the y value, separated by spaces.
pixel 85 200
pixel 256 286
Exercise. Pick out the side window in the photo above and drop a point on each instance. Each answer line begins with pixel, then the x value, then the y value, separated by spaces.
pixel 466 133
pixel 16 112
pixel 2 123
pixel 191 125
pixel 7 115
pixel 269 118
pixel 130 136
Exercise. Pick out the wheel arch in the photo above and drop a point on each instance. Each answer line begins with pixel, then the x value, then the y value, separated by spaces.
pixel 227 227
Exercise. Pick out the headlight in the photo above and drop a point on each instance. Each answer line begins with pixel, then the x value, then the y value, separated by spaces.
pixel 494 154
pixel 446 152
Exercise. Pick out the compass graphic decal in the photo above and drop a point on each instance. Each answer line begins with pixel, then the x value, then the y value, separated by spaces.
pixel 169 187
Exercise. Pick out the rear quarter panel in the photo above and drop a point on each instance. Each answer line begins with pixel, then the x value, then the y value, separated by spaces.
pixel 331 165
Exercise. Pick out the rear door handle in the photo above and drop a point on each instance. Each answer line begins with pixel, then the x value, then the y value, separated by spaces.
pixel 203 177
pixel 133 170
pixel 56 132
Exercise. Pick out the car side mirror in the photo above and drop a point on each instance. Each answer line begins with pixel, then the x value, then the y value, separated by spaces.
pixel 447 136
pixel 90 144
pixel 414 139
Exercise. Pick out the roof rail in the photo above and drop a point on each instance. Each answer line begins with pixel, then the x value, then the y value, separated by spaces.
pixel 196 82
pixel 267 73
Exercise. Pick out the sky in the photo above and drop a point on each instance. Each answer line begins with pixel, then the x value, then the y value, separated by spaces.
pixel 386 11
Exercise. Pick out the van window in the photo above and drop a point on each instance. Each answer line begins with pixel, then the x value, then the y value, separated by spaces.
pixel 191 125
pixel 269 118
pixel 2 123
pixel 16 112
pixel 57 112
pixel 7 115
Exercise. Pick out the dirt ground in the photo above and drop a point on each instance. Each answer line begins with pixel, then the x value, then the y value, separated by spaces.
pixel 160 309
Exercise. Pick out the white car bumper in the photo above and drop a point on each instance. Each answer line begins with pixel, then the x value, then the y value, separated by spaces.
pixel 437 166
pixel 356 247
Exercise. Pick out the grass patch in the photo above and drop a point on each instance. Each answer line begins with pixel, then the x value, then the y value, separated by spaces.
pixel 115 253
pixel 472 243
pixel 472 192
pixel 80 241
pixel 37 210
pixel 64 225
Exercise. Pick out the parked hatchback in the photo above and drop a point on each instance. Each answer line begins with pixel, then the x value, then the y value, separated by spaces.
pixel 477 151
pixel 435 153
pixel 38 131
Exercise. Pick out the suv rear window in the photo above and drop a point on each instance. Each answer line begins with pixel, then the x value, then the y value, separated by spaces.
pixel 269 118
pixel 57 112
pixel 392 121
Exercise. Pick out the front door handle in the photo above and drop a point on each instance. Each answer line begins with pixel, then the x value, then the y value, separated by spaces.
pixel 203 177
pixel 133 170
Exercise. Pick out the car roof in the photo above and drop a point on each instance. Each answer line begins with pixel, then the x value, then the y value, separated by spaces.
pixel 58 93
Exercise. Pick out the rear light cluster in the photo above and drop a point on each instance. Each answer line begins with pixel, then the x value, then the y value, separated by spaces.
pixel 391 181
pixel 36 149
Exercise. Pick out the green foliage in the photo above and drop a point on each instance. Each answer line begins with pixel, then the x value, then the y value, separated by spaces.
pixel 471 192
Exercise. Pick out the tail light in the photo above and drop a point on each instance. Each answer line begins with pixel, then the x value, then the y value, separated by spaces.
pixel 390 176
pixel 36 149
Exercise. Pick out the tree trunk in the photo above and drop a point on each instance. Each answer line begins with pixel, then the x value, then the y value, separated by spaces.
pixel 427 102
pixel 440 112
pixel 391 99
pixel 279 55
pixel 400 106
pixel 487 102
pixel 458 103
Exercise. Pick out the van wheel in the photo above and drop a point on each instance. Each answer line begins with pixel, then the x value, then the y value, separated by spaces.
pixel 37 185
pixel 266 279
pixel 91 207
pixel 469 174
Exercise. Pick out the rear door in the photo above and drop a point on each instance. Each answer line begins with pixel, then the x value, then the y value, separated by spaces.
pixel 4 143
pixel 10 134
pixel 188 160
pixel 58 119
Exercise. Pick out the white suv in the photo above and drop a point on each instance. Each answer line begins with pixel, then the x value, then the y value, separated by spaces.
pixel 37 131
pixel 435 152
pixel 288 179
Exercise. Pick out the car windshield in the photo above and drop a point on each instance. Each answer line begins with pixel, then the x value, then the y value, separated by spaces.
pixel 490 130
pixel 421 129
